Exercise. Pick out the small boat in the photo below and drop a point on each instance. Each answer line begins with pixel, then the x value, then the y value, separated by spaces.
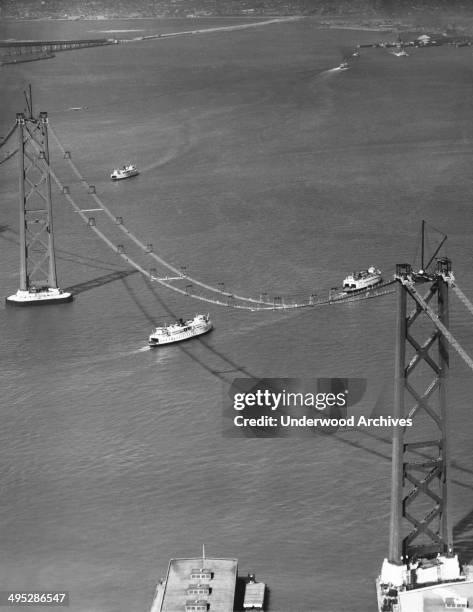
pixel 123 173
pixel 181 330
pixel 254 594
pixel 399 50
pixel 363 279
pixel 343 66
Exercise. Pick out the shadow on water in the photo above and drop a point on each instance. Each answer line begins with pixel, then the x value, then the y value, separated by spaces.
pixel 386 439
pixel 63 254
pixel 5 229
pixel 267 597
pixel 234 367
pixel 88 262
pixel 100 281
pixel 463 537
pixel 239 593
pixel 462 531
pixel 387 456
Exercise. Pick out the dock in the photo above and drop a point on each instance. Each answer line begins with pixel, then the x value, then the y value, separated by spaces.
pixel 202 584
pixel 21 50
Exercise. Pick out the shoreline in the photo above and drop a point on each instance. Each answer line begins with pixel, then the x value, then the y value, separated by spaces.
pixel 151 17
pixel 464 26
pixel 245 22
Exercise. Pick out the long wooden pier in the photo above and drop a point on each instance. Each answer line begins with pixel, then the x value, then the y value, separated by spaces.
pixel 21 50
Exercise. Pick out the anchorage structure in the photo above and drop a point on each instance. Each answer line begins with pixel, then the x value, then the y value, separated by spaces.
pixel 38 282
pixel 421 566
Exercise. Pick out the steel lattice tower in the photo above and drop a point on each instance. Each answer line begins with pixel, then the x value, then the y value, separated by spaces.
pixel 419 496
pixel 38 280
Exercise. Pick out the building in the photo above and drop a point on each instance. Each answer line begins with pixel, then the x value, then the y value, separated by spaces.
pixel 200 584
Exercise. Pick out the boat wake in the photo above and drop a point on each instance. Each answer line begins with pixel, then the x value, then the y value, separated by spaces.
pixel 332 71
pixel 165 159
pixel 123 354
pixel 179 143
pixel 160 357
pixel 340 68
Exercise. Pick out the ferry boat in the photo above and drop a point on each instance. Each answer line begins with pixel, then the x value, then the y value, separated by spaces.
pixel 36 296
pixel 364 279
pixel 123 173
pixel 400 53
pixel 181 330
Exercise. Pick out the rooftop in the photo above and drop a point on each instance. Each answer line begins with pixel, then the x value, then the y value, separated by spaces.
pixel 218 574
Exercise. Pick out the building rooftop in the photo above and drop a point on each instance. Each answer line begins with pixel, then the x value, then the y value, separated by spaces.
pixel 180 589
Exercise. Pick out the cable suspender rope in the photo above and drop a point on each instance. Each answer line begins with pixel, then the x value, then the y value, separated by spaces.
pixel 8 156
pixel 133 263
pixel 7 137
pixel 129 260
pixel 260 304
pixel 438 324
pixel 212 289
pixel 138 242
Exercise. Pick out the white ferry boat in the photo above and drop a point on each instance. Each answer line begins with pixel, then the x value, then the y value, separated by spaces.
pixel 400 53
pixel 123 173
pixel 362 280
pixel 36 296
pixel 181 330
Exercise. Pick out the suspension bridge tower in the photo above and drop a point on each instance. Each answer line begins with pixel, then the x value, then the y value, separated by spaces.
pixel 38 282
pixel 422 571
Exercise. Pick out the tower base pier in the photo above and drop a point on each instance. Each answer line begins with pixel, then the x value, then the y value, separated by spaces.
pixel 427 585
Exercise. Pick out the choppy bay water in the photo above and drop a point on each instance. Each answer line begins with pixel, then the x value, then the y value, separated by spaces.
pixel 263 170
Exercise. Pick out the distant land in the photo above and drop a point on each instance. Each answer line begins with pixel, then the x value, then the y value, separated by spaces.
pixel 452 15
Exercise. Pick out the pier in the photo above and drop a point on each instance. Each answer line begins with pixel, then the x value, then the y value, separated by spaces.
pixel 198 584
pixel 25 50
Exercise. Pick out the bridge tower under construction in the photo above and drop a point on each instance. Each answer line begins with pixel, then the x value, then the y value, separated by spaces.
pixel 38 280
pixel 422 568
